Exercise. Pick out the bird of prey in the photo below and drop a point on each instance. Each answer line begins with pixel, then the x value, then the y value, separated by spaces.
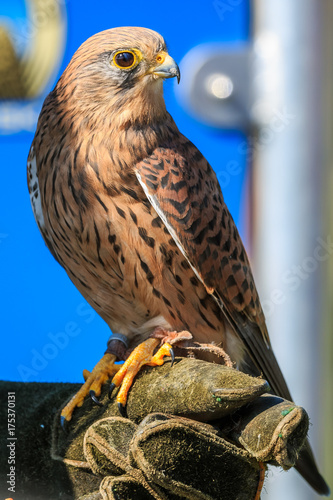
pixel 135 215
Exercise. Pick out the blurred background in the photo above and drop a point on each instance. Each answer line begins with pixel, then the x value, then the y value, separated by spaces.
pixel 256 98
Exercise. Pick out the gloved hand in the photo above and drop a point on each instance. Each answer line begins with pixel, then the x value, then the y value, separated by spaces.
pixel 169 455
pixel 173 455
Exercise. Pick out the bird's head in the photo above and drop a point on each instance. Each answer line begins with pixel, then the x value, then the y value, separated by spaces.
pixel 121 70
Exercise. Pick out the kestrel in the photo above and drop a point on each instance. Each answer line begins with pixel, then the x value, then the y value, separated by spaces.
pixel 135 215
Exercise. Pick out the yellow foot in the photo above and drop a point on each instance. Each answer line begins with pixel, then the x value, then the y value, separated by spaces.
pixel 142 355
pixel 104 370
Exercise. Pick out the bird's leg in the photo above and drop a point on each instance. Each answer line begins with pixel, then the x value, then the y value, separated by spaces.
pixel 172 338
pixel 142 355
pixel 104 370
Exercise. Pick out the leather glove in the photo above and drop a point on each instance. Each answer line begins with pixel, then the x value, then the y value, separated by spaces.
pixel 170 455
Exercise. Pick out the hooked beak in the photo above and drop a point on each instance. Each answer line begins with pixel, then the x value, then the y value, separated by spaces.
pixel 167 69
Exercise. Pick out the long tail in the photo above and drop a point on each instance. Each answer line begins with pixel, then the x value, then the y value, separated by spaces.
pixel 307 467
pixel 264 361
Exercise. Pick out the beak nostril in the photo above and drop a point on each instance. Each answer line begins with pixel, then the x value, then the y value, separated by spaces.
pixel 165 67
pixel 160 58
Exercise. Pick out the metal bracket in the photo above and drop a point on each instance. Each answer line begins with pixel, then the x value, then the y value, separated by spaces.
pixel 216 85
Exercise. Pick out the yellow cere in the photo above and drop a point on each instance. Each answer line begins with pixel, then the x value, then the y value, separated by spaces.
pixel 160 58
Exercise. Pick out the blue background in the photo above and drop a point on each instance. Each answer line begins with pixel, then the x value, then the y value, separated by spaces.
pixel 49 333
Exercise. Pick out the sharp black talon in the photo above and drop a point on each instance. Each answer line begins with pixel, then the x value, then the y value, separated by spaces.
pixel 112 386
pixel 92 394
pixel 172 354
pixel 122 410
pixel 63 422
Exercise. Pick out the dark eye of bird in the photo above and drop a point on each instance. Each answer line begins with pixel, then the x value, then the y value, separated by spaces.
pixel 124 59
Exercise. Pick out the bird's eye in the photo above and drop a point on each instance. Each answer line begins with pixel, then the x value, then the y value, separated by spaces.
pixel 125 59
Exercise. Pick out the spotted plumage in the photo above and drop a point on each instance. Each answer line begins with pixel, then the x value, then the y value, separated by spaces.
pixel 133 211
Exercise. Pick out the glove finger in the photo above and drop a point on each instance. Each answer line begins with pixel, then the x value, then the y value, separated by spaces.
pixel 106 445
pixel 189 460
pixel 192 388
pixel 271 429
pixel 128 487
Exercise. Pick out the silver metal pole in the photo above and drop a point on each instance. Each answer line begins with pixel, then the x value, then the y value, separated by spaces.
pixel 291 246
pixel 327 348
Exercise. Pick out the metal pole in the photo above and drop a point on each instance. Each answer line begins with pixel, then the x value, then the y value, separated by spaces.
pixel 327 348
pixel 291 246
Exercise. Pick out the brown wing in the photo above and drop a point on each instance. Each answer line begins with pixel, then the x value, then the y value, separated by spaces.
pixel 184 190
